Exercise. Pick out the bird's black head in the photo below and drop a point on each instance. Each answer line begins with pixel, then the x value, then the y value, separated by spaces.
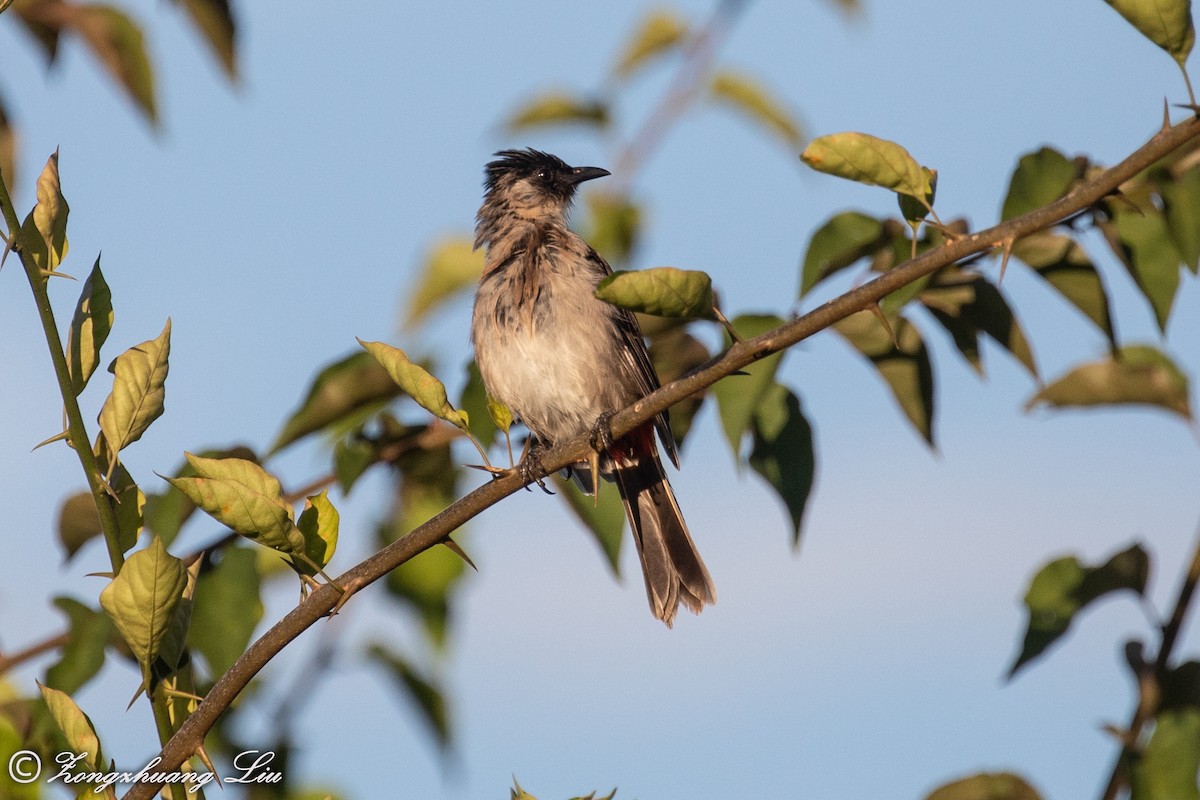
pixel 528 184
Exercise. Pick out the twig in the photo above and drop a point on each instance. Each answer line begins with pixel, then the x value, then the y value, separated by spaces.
pixel 33 651
pixel 191 735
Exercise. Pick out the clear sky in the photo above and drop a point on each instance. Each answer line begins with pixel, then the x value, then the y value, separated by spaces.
pixel 276 222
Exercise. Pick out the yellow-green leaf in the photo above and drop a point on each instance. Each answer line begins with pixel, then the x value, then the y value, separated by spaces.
pixel 1041 177
pixel 117 42
pixel 604 518
pixel 1064 264
pixel 659 32
pixel 986 786
pixel 451 266
pixel 1166 769
pixel 139 388
pixel 45 228
pixel 141 600
pixel 88 632
pixel 89 328
pixel 558 108
pixel 416 382
pixel 1147 250
pixel 867 159
pixel 227 609
pixel 739 396
pixel 78 523
pixel 245 497
pixel 844 239
pixel 214 19
pixel 1138 375
pixel 1167 23
pixel 8 149
pixel 747 96
pixel 128 503
pixel 319 524
pixel 81 737
pixel 660 292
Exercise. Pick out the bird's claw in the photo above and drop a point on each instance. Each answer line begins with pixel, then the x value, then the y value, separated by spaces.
pixel 602 438
pixel 531 467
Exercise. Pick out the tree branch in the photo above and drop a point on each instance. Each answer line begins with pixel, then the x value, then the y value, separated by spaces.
pixel 191 735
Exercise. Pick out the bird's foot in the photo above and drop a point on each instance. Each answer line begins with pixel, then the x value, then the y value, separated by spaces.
pixel 601 442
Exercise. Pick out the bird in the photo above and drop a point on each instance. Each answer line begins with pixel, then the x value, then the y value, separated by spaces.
pixel 563 361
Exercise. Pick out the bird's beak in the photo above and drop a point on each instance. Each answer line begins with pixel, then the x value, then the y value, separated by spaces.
pixel 581 174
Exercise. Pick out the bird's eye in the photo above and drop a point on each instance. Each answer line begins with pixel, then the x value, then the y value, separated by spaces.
pixel 543 174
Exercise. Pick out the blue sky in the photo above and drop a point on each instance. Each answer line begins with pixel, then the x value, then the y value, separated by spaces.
pixel 276 222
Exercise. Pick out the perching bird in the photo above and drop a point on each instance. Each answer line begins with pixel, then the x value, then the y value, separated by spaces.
pixel 560 359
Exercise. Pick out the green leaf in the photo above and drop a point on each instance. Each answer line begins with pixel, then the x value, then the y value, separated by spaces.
pixel 415 381
pixel 118 44
pixel 424 693
pixel 165 513
pixel 319 524
pixel 214 19
pixel 660 32
pixel 1065 586
pixel 674 352
pixel 748 97
pixel 89 328
pixel 558 108
pixel 604 518
pixel 171 652
pixel 966 304
pixel 139 388
pixel 244 497
pixel 1041 177
pixel 343 394
pixel 738 396
pixel 128 504
pixel 1148 252
pixel 660 292
pixel 141 600
pixel 986 786
pixel 88 632
pixel 906 369
pixel 479 407
pixel 1181 204
pixel 1168 765
pixel 1062 262
pixel 613 225
pixel 78 523
pixel 81 737
pixel 227 608
pixel 1167 23
pixel 843 240
pixel 783 451
pixel 913 210
pixel 44 231
pixel 10 742
pixel 866 159
pixel 450 267
pixel 1137 375
pixel 351 458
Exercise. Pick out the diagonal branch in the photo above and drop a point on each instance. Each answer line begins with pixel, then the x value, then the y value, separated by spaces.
pixel 318 604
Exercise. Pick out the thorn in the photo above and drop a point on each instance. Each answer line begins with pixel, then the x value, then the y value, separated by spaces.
pixel 352 586
pixel 141 688
pixel 1193 107
pixel 879 315
pixel 8 246
pixel 454 547
pixel 58 437
pixel 1008 246
pixel 726 324
pixel 53 273
pixel 594 463
pixel 1166 115
pixel 202 754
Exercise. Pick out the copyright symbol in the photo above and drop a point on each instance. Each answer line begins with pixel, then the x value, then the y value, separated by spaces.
pixel 25 766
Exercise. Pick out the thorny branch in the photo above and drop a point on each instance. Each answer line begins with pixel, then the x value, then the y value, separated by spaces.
pixel 318 604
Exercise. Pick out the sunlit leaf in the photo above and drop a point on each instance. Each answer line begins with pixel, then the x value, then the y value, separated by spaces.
pixel 1167 23
pixel 128 503
pixel 244 497
pixel 845 239
pixel 416 382
pixel 422 691
pixel 89 328
pixel 738 396
pixel 1041 177
pixel 1062 262
pixel 1065 586
pixel 44 231
pixel 750 98
pixel 450 267
pixel 141 600
pixel 81 738
pixel 913 210
pixel 227 608
pixel 604 518
pixel 1167 767
pixel 117 43
pixel 88 632
pixel 661 292
pixel 1138 375
pixel 907 369
pixel 343 394
pixel 139 389
pixel 867 159
pixel 783 451
pixel 165 513
pixel 174 643
pixel 986 786
pixel 319 523
pixel 214 19
pixel 558 108
pixel 659 32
